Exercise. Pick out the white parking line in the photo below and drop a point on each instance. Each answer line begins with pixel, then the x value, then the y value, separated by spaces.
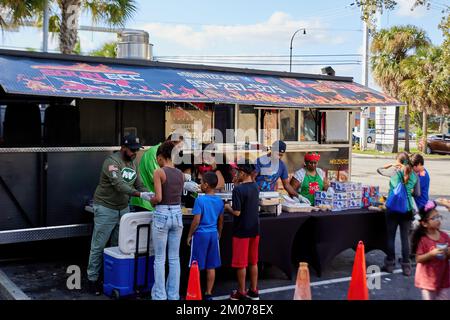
pixel 313 284
pixel 9 290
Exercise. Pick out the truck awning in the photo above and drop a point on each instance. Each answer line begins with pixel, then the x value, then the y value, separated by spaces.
pixel 25 75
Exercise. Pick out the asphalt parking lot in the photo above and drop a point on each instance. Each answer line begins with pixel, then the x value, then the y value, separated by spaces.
pixel 39 269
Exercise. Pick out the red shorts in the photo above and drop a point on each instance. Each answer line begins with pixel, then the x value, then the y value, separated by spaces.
pixel 245 252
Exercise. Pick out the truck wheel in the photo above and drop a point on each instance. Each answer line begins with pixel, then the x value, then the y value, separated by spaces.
pixel 428 150
pixel 115 294
pixel 369 139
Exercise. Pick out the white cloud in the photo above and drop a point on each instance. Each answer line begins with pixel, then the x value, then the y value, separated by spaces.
pixel 404 9
pixel 275 32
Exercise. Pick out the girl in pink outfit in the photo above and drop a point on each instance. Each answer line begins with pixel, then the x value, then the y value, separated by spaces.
pixel 432 253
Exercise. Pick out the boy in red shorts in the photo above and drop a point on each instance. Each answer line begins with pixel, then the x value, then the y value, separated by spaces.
pixel 245 232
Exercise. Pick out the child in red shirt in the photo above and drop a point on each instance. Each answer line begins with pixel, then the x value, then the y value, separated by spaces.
pixel 432 253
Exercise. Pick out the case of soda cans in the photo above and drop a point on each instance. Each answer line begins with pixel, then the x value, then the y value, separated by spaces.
pixel 370 196
pixel 323 195
pixel 354 203
pixel 339 196
pixel 346 186
pixel 328 202
pixel 339 205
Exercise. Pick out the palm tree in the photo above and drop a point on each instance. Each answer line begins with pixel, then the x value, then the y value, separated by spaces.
pixel 13 12
pixel 113 12
pixel 107 50
pixel 427 87
pixel 390 47
pixel 65 19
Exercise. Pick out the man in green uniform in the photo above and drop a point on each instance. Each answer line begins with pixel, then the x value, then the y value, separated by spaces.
pixel 119 180
pixel 147 167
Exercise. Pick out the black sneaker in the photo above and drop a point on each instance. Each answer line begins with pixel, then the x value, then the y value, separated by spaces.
pixel 207 297
pixel 252 295
pixel 236 295
pixel 95 287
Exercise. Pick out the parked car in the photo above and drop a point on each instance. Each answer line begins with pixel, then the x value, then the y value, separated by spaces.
pixel 401 134
pixel 370 136
pixel 439 143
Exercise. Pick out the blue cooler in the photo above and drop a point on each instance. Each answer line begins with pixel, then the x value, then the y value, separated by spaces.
pixel 119 273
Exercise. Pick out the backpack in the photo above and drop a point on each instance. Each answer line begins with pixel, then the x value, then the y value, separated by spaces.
pixel 397 201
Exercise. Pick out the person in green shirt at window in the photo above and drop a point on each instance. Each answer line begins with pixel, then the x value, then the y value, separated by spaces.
pixel 310 179
pixel 147 167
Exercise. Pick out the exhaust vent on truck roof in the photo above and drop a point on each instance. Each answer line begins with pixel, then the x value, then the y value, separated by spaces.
pixel 134 44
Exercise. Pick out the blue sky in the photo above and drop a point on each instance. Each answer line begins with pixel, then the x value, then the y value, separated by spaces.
pixel 254 28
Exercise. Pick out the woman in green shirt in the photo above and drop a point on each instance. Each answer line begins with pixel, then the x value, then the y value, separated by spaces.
pixel 310 179
pixel 401 172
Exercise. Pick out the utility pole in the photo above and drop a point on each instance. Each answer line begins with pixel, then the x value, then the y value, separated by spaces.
pixel 365 82
pixel 45 27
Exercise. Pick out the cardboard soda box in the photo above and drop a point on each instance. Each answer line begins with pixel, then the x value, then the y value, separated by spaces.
pixel 340 196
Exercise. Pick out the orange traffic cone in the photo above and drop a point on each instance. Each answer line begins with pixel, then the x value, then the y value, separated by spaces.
pixel 358 285
pixel 302 288
pixel 194 291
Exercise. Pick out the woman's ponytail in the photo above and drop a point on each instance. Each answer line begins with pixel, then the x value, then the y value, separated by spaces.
pixel 403 158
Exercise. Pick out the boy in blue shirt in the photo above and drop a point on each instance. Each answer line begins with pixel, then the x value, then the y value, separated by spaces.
pixel 417 162
pixel 205 231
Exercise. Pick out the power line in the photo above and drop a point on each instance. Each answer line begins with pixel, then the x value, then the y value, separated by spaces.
pixel 272 64
pixel 257 60
pixel 263 56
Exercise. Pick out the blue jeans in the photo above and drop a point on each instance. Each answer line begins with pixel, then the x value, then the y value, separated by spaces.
pixel 167 227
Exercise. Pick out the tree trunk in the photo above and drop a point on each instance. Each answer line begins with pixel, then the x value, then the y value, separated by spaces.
pixel 407 128
pixel 397 114
pixel 68 35
pixel 424 130
pixel 441 125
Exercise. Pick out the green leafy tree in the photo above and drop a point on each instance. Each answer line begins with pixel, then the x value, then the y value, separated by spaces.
pixel 427 85
pixel 14 12
pixel 65 15
pixel 107 50
pixel 369 8
pixel 389 48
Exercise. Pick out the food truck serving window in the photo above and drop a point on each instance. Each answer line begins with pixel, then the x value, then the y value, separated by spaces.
pixel 191 120
pixel 247 124
pixel 21 125
pixel 308 127
pixel 289 125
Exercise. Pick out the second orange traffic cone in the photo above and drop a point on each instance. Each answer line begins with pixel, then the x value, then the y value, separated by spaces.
pixel 194 291
pixel 302 288
pixel 358 285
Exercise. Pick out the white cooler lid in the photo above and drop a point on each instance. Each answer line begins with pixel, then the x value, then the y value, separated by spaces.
pixel 128 229
pixel 115 253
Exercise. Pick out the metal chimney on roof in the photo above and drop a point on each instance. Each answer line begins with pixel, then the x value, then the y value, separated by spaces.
pixel 134 44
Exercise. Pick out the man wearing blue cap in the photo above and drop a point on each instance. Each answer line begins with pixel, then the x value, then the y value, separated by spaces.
pixel 270 168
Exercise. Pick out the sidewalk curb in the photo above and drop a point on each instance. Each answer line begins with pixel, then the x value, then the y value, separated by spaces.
pixel 358 155
pixel 9 290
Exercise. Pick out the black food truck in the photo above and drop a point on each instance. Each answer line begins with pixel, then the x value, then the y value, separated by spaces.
pixel 61 115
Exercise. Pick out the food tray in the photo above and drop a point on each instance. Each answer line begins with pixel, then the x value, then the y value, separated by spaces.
pixel 297 209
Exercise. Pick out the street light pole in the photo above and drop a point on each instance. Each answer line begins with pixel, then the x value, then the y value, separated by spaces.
pixel 290 54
